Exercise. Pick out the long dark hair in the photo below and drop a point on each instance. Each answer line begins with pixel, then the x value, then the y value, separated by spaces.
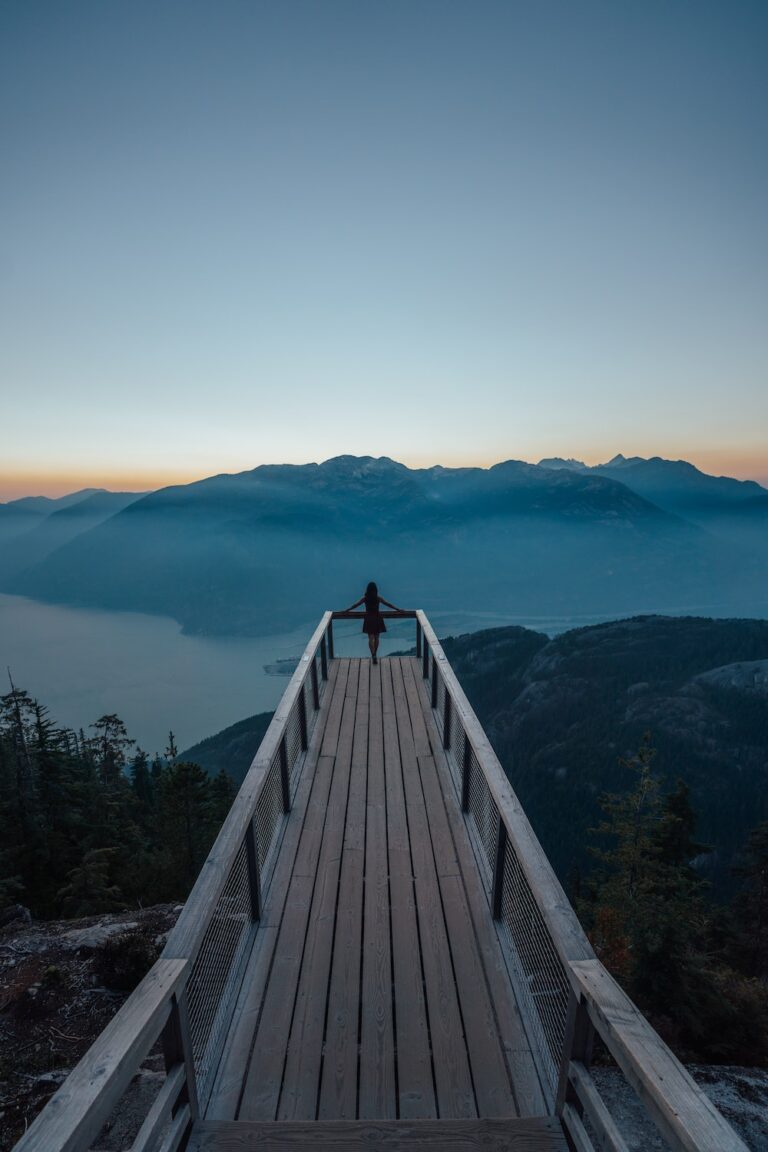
pixel 371 597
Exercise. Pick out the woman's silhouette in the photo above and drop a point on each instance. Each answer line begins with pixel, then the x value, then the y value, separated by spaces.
pixel 373 621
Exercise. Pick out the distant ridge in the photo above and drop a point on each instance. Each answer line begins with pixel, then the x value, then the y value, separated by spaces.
pixel 266 549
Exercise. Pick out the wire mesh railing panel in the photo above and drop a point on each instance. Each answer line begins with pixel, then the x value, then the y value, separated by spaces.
pixel 542 981
pixel 269 814
pixel 484 814
pixel 214 981
pixel 293 737
pixel 456 748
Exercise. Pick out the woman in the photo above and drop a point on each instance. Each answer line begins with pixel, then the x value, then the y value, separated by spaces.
pixel 373 621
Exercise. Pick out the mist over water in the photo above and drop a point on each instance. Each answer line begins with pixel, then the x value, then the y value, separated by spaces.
pixel 83 664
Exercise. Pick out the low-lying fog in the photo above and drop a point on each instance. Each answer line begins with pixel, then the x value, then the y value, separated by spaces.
pixel 83 664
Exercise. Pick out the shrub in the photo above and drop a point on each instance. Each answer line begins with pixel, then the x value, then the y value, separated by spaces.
pixel 124 960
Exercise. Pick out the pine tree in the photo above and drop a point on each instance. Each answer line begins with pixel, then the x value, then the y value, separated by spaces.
pixel 750 911
pixel 184 816
pixel 141 781
pixel 88 889
pixel 649 924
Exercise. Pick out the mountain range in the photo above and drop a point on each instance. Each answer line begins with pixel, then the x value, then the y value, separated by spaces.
pixel 564 715
pixel 268 549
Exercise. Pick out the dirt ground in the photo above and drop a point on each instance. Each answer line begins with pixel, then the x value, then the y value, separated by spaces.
pixel 54 1002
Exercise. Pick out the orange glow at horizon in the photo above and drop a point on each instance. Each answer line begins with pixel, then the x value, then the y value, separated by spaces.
pixel 52 482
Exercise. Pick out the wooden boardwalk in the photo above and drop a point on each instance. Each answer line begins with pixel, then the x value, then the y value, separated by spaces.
pixel 363 964
pixel 377 989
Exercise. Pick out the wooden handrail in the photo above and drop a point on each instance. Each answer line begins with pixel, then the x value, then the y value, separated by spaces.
pixel 406 614
pixel 187 935
pixel 682 1111
pixel 567 934
pixel 75 1115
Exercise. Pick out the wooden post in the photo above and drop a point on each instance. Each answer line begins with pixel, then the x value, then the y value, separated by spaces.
pixel 284 779
pixel 330 639
pixel 254 880
pixel 447 720
pixel 418 640
pixel 466 767
pixel 303 720
pixel 315 686
pixel 434 681
pixel 425 660
pixel 177 1049
pixel 323 659
pixel 577 1045
pixel 498 869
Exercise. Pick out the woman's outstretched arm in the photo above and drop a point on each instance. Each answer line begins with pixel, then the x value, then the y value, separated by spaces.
pixel 388 605
pixel 356 604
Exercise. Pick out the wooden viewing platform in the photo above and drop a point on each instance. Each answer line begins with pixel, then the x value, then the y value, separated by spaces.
pixel 377 954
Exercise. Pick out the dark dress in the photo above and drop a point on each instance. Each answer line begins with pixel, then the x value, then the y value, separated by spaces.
pixel 373 621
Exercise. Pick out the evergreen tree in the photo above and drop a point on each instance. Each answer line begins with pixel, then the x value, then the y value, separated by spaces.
pixel 750 943
pixel 88 889
pixel 141 781
pixel 222 793
pixel 110 746
pixel 649 923
pixel 184 816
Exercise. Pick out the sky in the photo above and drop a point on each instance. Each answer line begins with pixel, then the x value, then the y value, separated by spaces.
pixel 234 233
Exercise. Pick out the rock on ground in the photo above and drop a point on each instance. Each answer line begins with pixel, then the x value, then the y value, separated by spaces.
pixel 741 1094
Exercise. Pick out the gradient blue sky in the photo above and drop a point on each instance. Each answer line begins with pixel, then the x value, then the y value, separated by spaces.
pixel 240 232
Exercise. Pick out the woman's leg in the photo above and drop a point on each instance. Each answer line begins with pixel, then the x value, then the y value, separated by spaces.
pixel 375 646
pixel 372 643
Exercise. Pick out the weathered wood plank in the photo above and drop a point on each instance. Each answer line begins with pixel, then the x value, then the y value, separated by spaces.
pixel 525 1080
pixel 567 933
pixel 530 1135
pixel 176 1136
pixel 75 1115
pixel 265 1073
pixel 338 1087
pixel 416 1090
pixel 455 1094
pixel 682 1111
pixel 298 1099
pixel 493 1089
pixel 574 1126
pixel 376 1098
pixel 228 1087
pixel 189 930
pixel 609 1139
pixel 160 1111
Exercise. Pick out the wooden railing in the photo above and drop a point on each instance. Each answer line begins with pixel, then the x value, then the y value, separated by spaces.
pixel 187 999
pixel 564 992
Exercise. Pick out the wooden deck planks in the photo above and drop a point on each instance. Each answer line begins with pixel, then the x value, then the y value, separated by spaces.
pixel 264 1078
pixel 338 1087
pixel 225 1098
pixel 453 1079
pixel 525 1080
pixel 377 988
pixel 301 1076
pixel 416 1089
pixel 542 1134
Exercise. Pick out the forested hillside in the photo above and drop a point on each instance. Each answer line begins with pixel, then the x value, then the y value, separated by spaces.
pixel 562 713
pixel 90 823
